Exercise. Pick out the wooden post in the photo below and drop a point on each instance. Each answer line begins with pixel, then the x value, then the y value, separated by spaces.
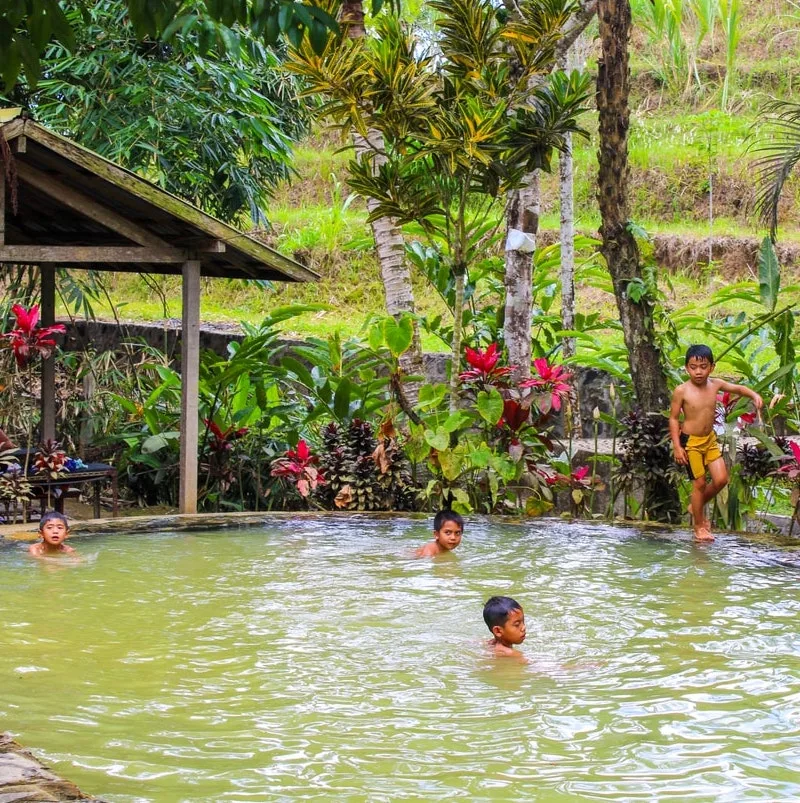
pixel 190 373
pixel 47 426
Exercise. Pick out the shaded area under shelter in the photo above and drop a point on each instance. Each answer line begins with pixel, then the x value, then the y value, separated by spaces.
pixel 62 205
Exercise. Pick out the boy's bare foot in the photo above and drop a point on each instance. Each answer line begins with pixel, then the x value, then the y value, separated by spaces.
pixel 705 524
pixel 703 534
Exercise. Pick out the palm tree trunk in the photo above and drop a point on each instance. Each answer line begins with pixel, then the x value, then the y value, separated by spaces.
pixel 389 243
pixel 455 360
pixel 522 226
pixel 618 243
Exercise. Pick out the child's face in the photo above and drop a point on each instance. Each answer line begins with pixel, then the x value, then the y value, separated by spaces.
pixel 513 630
pixel 699 369
pixel 448 536
pixel 54 532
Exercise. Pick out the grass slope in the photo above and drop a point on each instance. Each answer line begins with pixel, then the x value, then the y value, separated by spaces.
pixel 681 146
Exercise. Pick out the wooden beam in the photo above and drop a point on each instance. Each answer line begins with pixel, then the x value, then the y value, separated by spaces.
pixel 147 191
pixel 47 426
pixel 214 247
pixel 190 382
pixel 20 145
pixel 13 129
pixel 65 254
pixel 88 207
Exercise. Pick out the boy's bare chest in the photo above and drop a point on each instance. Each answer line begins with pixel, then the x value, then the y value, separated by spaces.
pixel 700 401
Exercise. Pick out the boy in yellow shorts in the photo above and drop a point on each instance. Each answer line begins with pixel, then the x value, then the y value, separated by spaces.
pixel 693 440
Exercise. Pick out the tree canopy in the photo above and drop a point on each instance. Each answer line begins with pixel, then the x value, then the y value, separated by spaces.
pixel 215 129
pixel 28 26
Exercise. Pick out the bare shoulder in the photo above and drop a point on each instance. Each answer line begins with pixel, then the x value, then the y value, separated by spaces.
pixel 428 550
pixel 679 391
pixel 35 549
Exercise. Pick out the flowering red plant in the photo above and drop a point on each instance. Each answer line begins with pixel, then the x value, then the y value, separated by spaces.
pixel 484 367
pixel 299 465
pixel 222 440
pixel 791 471
pixel 551 384
pixel 27 339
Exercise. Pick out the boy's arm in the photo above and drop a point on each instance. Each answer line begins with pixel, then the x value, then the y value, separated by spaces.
pixel 741 390
pixel 675 427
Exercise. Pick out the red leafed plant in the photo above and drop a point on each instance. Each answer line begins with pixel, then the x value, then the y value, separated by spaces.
pixel 222 439
pixel 300 467
pixel 50 459
pixel 550 386
pixel 29 340
pixel 791 469
pixel 483 367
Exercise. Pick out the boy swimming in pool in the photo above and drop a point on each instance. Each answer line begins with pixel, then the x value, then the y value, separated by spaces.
pixel 447 530
pixel 693 440
pixel 506 621
pixel 54 529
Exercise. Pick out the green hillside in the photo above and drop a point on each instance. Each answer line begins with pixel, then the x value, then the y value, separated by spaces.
pixel 682 145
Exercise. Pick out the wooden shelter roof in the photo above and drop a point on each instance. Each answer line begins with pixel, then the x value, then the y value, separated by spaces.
pixel 77 208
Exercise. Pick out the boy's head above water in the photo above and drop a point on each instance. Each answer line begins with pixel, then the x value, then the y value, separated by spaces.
pixel 448 527
pixel 447 530
pixel 53 527
pixel 506 621
pixel 54 530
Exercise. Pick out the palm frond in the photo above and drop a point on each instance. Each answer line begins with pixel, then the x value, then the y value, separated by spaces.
pixel 780 155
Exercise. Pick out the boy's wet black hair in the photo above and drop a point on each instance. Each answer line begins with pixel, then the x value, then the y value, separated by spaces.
pixel 53 515
pixel 443 516
pixel 700 352
pixel 498 609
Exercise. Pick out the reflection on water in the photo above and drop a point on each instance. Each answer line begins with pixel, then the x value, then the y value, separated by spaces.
pixel 317 660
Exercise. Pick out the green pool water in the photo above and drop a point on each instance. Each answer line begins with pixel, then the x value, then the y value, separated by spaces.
pixel 317 660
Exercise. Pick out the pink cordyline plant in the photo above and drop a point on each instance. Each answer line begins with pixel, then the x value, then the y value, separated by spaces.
pixel 299 466
pixel 550 384
pixel 791 470
pixel 28 340
pixel 483 367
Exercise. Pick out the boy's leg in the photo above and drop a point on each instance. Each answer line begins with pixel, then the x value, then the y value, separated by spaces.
pixel 719 479
pixel 697 503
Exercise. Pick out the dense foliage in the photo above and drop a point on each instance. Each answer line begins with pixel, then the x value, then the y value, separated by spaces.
pixel 214 128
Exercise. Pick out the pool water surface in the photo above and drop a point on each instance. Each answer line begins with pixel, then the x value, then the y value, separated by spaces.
pixel 318 660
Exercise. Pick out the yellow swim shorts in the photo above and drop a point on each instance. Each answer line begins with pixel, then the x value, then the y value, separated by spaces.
pixel 701 450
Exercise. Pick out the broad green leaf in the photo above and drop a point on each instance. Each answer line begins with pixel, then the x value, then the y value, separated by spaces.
pixel 341 399
pixel 398 334
pixel 769 274
pixel 490 405
pixel 480 457
pixel 439 439
pixel 299 370
pixel 452 463
pixel 456 420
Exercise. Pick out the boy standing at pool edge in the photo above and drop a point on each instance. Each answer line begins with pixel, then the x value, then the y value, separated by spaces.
pixel 506 622
pixel 694 441
pixel 54 529
pixel 447 530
